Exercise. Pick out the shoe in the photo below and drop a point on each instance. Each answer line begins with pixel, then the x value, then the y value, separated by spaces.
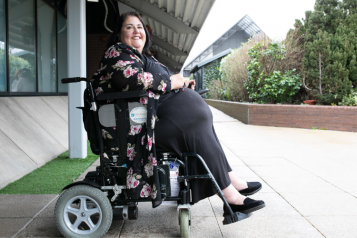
pixel 253 187
pixel 249 206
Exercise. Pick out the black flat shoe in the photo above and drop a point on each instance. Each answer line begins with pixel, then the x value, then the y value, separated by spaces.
pixel 249 206
pixel 253 187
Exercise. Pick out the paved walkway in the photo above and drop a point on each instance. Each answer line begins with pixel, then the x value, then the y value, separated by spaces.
pixel 309 187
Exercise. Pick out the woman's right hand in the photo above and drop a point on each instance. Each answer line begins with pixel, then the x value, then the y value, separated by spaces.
pixel 177 81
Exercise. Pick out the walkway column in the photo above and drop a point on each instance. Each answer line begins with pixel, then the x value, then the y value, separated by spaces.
pixel 76 39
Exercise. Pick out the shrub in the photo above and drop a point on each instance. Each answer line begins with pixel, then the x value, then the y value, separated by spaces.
pixel 349 100
pixel 217 91
pixel 268 80
pixel 234 71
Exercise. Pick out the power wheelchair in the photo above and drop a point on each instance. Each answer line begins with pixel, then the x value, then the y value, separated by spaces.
pixel 86 208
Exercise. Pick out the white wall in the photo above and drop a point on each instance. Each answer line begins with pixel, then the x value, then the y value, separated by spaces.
pixel 33 131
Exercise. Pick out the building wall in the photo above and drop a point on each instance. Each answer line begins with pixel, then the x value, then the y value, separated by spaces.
pixel 233 42
pixel 294 116
pixel 33 131
pixel 96 45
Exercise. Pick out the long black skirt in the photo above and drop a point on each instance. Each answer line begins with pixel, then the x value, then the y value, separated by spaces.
pixel 186 125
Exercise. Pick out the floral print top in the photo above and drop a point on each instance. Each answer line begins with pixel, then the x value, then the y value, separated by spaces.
pixel 123 68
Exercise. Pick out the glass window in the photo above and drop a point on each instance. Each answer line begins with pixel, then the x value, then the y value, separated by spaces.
pixel 22 61
pixel 46 47
pixel 62 51
pixel 3 82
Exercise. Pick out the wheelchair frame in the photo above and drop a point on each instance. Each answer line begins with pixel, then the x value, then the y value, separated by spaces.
pixel 109 173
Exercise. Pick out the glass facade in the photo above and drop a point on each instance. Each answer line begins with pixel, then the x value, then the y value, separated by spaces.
pixel 3 81
pixel 46 47
pixel 33 47
pixel 22 42
pixel 62 51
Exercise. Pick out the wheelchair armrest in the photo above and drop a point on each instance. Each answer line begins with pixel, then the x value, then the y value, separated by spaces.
pixel 117 95
pixel 203 91
pixel 73 80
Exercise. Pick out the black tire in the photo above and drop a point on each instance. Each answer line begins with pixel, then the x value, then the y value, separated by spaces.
pixel 91 218
pixel 185 223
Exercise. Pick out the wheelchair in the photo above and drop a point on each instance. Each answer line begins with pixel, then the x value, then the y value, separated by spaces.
pixel 86 208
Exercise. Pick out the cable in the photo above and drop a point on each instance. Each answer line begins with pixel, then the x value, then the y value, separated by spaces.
pixel 106 15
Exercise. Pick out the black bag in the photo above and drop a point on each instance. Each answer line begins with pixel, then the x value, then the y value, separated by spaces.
pixel 89 124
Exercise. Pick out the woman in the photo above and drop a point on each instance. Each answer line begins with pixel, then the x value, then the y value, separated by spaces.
pixel 178 119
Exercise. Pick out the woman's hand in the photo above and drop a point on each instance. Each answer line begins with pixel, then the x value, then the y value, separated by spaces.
pixel 190 84
pixel 176 81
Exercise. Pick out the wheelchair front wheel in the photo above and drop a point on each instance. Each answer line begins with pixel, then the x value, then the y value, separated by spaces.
pixel 185 223
pixel 83 211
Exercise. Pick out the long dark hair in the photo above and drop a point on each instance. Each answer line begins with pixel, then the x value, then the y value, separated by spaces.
pixel 115 38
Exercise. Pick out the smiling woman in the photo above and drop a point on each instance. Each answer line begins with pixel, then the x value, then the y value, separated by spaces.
pixel 133 33
pixel 178 120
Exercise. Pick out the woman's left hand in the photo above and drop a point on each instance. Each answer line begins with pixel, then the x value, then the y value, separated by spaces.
pixel 190 84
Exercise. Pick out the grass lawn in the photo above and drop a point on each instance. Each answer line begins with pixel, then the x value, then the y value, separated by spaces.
pixel 52 177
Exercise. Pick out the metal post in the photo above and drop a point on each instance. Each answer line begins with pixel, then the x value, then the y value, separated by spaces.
pixel 76 41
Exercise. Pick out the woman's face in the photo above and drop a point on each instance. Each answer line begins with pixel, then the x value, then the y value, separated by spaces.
pixel 133 34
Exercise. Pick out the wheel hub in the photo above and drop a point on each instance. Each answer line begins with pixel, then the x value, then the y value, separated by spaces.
pixel 82 215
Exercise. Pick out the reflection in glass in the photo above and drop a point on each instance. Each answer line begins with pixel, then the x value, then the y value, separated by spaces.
pixel 3 83
pixel 62 51
pixel 46 47
pixel 22 46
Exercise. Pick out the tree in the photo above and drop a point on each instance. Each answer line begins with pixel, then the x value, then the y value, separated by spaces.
pixel 330 50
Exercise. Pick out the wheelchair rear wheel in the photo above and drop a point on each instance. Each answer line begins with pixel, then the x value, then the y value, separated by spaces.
pixel 185 223
pixel 83 211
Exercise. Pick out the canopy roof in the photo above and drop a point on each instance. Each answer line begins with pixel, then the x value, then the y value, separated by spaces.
pixel 175 25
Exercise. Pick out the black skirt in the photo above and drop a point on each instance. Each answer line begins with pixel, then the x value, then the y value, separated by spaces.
pixel 186 125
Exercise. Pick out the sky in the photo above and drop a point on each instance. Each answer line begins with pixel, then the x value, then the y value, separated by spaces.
pixel 274 17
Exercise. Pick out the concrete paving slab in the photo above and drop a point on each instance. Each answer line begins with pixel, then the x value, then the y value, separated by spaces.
pixel 205 227
pixel 14 162
pixel 278 171
pixel 323 204
pixel 335 226
pixel 255 153
pixel 27 133
pixel 219 116
pixel 243 171
pixel 304 185
pixel 27 205
pixel 272 227
pixel 41 227
pixel 343 182
pixel 10 226
pixel 231 157
pixel 42 112
pixel 46 227
pixel 159 222
pixel 202 209
pixel 265 161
